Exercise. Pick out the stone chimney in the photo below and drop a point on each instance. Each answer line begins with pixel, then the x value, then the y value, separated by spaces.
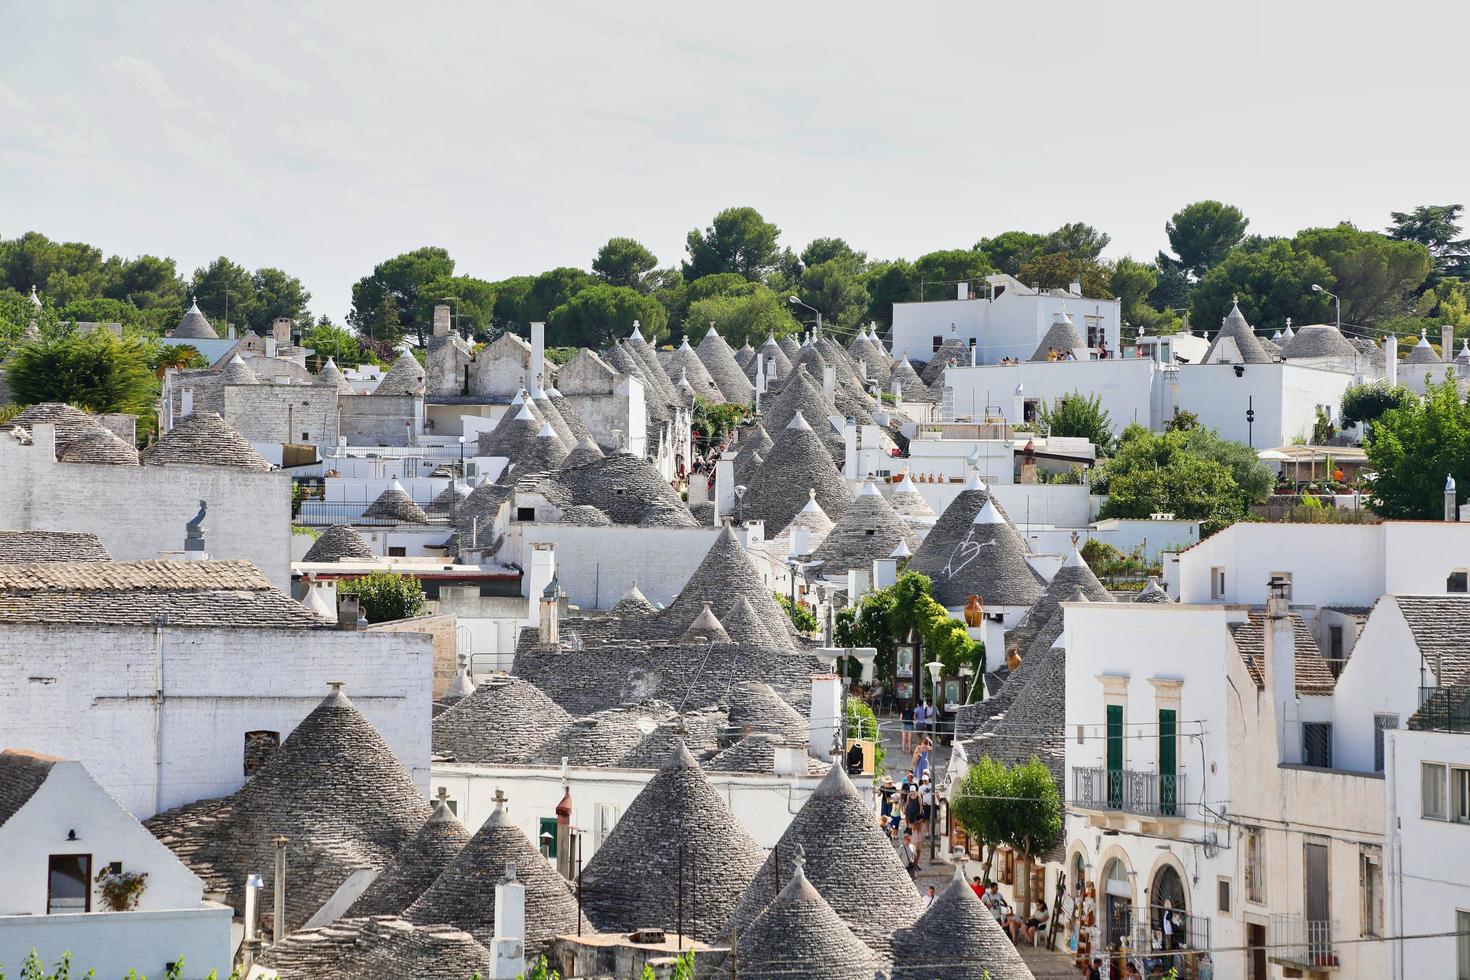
pixel 1451 511
pixel 885 572
pixel 1391 359
pixel 281 330
pixel 546 634
pixel 826 714
pixel 1279 668
pixel 566 845
pixel 1447 343
pixel 441 320
pixel 508 948
pixel 349 614
pixel 829 382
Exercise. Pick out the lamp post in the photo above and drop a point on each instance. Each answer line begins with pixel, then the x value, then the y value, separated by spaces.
pixel 1337 302
pixel 740 504
pixel 1250 420
pixel 796 302
pixel 934 667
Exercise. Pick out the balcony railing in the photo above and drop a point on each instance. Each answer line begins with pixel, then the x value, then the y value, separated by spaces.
pixel 1443 709
pixel 1128 790
pixel 324 513
pixel 1178 948
pixel 1299 941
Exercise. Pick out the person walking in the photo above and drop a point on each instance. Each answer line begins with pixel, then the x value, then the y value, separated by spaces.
pixel 908 853
pixel 908 728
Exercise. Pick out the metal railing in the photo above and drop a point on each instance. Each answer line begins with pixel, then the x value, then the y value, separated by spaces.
pixel 1128 790
pixel 1443 709
pixel 1300 941
pixel 325 513
pixel 1177 948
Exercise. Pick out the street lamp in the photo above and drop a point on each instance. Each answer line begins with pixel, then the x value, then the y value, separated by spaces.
pixel 1337 302
pixel 934 667
pixel 740 503
pixel 796 302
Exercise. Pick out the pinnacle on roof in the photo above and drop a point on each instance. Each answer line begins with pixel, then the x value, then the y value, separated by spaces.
pixel 461 687
pixel 405 377
pixel 1152 592
pixel 1421 353
pixel 340 542
pixel 637 333
pixel 909 503
pixel 957 938
pixel 35 300
pixel 901 550
pixel 464 895
pixel 706 628
pixel 797 461
pixel 726 572
pixel 849 861
pixel 330 376
pixel 502 722
pixel 195 325
pixel 416 865
pixel 237 372
pixel 394 504
pixel 870 529
pixel 204 439
pixel 1235 327
pixel 634 880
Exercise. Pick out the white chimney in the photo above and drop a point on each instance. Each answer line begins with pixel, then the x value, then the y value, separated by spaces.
pixel 441 321
pixel 1446 343
pixel 790 760
pixel 1076 288
pixel 187 402
pixel 801 541
pixel 538 353
pixel 859 583
pixel 1279 638
pixel 1391 359
pixel 508 948
pixel 829 382
pixel 725 503
pixel 897 389
pixel 826 713
pixel 281 330
pixel 1451 512
pixel 962 291
pixel 885 572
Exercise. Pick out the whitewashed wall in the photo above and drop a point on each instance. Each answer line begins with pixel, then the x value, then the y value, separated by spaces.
pixel 112 943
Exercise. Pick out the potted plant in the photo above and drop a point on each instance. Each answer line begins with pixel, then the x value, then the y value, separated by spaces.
pixel 121 889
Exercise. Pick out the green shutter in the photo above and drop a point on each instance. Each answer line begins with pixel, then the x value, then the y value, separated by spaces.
pixel 1115 754
pixel 548 826
pixel 1168 765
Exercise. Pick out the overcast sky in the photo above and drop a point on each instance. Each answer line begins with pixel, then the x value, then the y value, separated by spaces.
pixel 325 137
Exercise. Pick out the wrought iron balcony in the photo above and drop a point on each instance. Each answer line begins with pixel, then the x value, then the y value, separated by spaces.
pixel 1443 709
pixel 1128 790
pixel 1298 941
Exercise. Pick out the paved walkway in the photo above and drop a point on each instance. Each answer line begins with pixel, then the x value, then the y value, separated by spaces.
pixel 1049 964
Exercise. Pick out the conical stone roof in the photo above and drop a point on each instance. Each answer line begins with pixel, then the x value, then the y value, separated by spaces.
pixel 601 738
pixel 647 359
pixel 1235 327
pixel 99 446
pixel 415 867
pixel 849 861
pixel 719 360
pixel 628 488
pixel 340 542
pixel 743 624
pixel 194 326
pixel 989 560
pixel 743 357
pixel 585 451
pixel 374 948
pixel 754 706
pixel 771 350
pixel 446 501
pixel 954 349
pixel 870 529
pixel 909 503
pixel 700 731
pixel 1062 337
pixel 706 628
pixel 1322 340
pixel 405 377
pixel 811 519
pixel 569 416
pixel 501 723
pixel 237 372
pixel 634 604
pixel 1152 592
pixel 544 453
pixel 801 393
pixel 1420 353
pixel 797 463
pixel 909 382
pixel 204 439
pixel 514 434
pixel 552 415
pixel 757 752
pixel 951 528
pixel 1073 575
pixel 957 939
pixel 685 361
pixel 756 441
pixel 633 880
pixel 464 895
pixel 725 573
pixel 791 348
pixel 330 376
pixel 71 423
pixel 394 504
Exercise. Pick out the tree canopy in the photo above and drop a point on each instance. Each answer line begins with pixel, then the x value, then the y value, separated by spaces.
pixel 1202 234
pixel 1272 280
pixel 599 314
pixel 1193 474
pixel 624 262
pixel 1079 415
pixel 94 371
pixel 1413 447
pixel 738 240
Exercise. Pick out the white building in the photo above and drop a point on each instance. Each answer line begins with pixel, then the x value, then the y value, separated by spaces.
pixel 171 680
pixel 1005 318
pixel 59 829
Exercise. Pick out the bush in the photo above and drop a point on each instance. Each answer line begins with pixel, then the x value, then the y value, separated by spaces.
pixel 95 372
pixel 862 723
pixel 800 615
pixel 1079 415
pixel 1367 402
pixel 385 596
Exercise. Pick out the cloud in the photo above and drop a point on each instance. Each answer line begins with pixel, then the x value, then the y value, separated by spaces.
pixel 11 99
pixel 151 80
pixel 269 77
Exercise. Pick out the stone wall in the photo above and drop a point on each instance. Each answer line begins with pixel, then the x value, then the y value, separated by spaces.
pixel 89 693
pixel 380 420
pixel 440 628
pixel 501 368
pixel 283 413
pixel 140 511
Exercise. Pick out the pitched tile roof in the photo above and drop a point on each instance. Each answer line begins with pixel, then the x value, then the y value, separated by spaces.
pixel 848 860
pixel 21 774
pixel 225 594
pixel 1312 673
pixel 634 881
pixel 17 547
pixel 1440 626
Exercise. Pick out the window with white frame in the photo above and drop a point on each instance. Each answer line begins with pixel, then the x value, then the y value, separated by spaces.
pixel 607 818
pixel 1217 582
pixel 1432 795
pixel 1370 888
pixel 1460 795
pixel 1255 865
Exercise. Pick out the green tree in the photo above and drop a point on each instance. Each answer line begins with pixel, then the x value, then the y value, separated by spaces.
pixel 103 310
pixel 741 318
pixel 471 302
pixel 1017 806
pixel 1251 475
pixel 836 288
pixel 95 372
pixel 979 804
pixel 510 294
pixel 937 272
pixel 1365 403
pixel 600 314
pixel 385 325
pixel 1058 270
pixel 1272 281
pixel 1132 281
pixel 338 343
pixel 1437 228
pixel 1009 250
pixel 888 283
pixel 1172 472
pixel 552 288
pixel 830 249
pixel 738 240
pixel 1077 241
pixel 277 294
pixel 1202 234
pixel 1375 274
pixel 403 278
pixel 1079 415
pixel 62 271
pixel 624 262
pixel 385 596
pixel 1413 447
pixel 224 291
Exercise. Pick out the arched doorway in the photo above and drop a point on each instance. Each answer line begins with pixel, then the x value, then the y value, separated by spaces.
pixel 1117 902
pixel 1168 908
